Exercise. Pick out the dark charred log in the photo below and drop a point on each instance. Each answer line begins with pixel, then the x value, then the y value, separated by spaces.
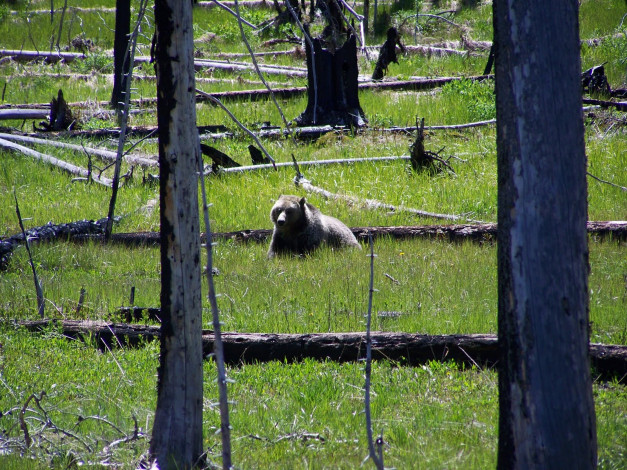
pixel 257 157
pixel 594 82
pixel 49 232
pixel 60 118
pixel 609 362
pixel 219 159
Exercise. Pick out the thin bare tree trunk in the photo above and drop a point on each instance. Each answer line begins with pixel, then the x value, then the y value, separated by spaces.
pixel 121 63
pixel 177 431
pixel 546 417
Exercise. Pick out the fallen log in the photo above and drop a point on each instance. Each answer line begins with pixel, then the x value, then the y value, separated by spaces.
pixel 57 56
pixel 87 230
pixel 60 10
pixel 608 361
pixel 50 57
pixel 244 4
pixel 22 114
pixel 415 84
pixel 619 105
pixel 200 64
pixel 104 154
pixel 68 167
pixel 617 230
pixel 299 180
pixel 49 232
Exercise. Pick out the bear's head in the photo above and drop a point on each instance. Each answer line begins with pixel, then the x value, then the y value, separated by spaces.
pixel 289 213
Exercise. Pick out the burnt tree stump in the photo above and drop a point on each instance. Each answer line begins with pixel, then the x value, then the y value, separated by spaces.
pixel 337 89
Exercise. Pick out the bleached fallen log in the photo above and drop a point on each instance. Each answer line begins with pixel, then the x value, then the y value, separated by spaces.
pixel 316 131
pixel 333 161
pixel 102 153
pixel 54 56
pixel 69 9
pixel 6 114
pixel 68 167
pixel 443 127
pixel 245 4
pixel 374 204
pixel 233 66
pixel 421 50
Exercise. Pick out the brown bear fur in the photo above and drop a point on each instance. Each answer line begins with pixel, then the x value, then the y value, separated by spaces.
pixel 300 228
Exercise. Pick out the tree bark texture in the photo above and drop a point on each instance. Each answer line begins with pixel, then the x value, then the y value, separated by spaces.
pixel 546 417
pixel 177 431
pixel 609 361
pixel 121 58
pixel 336 82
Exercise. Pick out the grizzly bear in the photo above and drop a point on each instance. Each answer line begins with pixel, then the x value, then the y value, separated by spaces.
pixel 299 228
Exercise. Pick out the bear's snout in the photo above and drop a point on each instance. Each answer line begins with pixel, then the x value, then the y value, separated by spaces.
pixel 281 220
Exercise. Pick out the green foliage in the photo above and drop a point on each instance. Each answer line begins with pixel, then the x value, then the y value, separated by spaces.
pixel 477 97
pixel 93 62
pixel 4 12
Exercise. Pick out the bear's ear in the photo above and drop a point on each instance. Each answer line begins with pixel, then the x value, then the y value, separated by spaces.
pixel 302 202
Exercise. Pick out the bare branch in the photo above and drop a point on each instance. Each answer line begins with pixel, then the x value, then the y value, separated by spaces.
pixel 218 347
pixel 232 116
pixel 252 56
pixel 377 459
pixel 623 188
pixel 236 15
pixel 38 289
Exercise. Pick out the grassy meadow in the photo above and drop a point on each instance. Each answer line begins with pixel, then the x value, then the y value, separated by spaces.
pixel 92 408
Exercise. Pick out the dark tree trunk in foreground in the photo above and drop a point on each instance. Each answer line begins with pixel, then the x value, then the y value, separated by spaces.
pixel 546 415
pixel 121 62
pixel 177 431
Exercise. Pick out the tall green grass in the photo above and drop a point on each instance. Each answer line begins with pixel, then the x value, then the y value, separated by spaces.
pixel 423 286
pixel 306 415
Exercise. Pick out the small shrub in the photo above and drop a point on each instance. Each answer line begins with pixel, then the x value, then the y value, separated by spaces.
pixel 97 62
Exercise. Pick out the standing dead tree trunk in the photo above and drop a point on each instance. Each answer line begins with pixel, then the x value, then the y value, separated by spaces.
pixel 546 416
pixel 121 62
pixel 332 75
pixel 387 54
pixel 177 431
